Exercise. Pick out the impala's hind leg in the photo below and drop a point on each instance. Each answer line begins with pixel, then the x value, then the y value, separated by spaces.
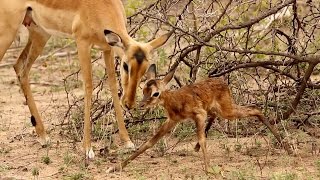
pixel 200 123
pixel 208 126
pixel 236 112
pixel 35 45
pixel 274 132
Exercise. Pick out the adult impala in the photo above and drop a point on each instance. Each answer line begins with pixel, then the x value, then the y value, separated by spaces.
pixel 101 23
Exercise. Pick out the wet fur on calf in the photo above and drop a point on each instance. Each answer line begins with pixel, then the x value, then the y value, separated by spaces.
pixel 208 98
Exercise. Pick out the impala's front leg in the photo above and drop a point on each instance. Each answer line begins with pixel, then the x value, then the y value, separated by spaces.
pixel 86 69
pixel 123 133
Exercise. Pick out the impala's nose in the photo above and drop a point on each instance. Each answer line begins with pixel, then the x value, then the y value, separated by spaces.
pixel 127 104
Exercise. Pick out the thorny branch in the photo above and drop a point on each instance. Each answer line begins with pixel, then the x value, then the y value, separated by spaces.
pixel 225 45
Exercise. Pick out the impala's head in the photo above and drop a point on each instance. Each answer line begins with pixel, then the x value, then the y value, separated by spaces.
pixel 154 87
pixel 135 63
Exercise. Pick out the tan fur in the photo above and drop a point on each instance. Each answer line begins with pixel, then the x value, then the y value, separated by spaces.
pixel 101 23
pixel 210 97
pixel 56 4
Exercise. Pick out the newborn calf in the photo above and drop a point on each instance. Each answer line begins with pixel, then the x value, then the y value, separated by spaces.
pixel 208 98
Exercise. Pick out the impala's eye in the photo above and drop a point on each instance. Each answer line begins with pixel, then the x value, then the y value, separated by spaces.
pixel 125 67
pixel 156 94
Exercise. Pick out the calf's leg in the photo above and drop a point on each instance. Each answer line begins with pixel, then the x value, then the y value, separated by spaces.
pixel 164 129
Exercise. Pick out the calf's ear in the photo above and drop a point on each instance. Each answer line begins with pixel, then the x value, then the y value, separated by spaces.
pixel 169 76
pixel 152 72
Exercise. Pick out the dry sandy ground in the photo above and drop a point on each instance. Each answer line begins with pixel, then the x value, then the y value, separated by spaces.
pixel 21 157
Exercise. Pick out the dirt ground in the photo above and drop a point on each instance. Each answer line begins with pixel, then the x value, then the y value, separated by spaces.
pixel 21 156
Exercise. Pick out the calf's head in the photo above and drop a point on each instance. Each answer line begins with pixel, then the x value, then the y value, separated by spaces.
pixel 154 87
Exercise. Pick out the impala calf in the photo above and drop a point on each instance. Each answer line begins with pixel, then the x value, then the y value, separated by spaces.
pixel 210 97
pixel 101 23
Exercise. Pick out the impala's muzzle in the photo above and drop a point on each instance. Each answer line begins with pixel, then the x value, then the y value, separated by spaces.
pixel 128 98
pixel 127 103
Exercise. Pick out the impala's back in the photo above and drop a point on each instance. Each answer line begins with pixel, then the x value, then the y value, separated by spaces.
pixel 208 95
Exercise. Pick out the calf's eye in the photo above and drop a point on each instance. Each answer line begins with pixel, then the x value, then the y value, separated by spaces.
pixel 156 94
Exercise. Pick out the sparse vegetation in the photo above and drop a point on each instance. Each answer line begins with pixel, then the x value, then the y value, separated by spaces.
pixel 285 176
pixel 318 167
pixel 46 160
pixel 185 130
pixel 273 64
pixel 35 173
pixel 76 176
pixel 4 168
pixel 67 159
pixel 242 174
pixel 5 150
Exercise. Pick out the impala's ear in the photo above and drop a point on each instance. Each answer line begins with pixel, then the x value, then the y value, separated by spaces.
pixel 160 40
pixel 169 76
pixel 113 39
pixel 152 72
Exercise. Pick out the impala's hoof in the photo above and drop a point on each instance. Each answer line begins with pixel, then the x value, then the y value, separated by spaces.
pixel 89 154
pixel 44 141
pixel 129 145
